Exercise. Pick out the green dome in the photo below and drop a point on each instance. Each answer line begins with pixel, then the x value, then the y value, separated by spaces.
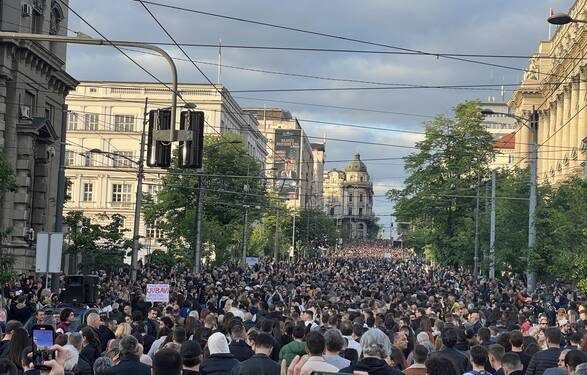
pixel 356 165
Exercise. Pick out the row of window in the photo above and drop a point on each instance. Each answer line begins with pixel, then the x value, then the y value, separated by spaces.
pixel 350 211
pixel 119 159
pixel 121 193
pixel 361 197
pixel 91 122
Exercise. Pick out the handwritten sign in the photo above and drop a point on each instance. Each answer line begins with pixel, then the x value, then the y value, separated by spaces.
pixel 157 292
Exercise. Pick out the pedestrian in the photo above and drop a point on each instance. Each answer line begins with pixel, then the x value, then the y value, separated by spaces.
pixel 260 363
pixel 220 361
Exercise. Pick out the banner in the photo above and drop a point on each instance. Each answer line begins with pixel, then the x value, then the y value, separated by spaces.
pixel 251 261
pixel 157 293
pixel 287 162
pixel 48 252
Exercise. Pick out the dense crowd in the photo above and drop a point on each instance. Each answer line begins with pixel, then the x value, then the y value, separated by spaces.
pixel 355 312
pixel 375 249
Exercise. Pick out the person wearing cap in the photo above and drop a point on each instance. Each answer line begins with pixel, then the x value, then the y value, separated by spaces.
pixel 191 354
pixel 566 332
pixel 260 363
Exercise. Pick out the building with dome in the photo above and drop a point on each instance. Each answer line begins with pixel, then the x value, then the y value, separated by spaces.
pixel 348 198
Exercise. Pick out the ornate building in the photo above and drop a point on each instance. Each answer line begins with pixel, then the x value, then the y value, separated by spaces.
pixel 348 197
pixel 108 116
pixel 555 84
pixel 33 86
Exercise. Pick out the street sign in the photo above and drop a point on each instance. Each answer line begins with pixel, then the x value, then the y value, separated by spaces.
pixel 48 252
pixel 157 293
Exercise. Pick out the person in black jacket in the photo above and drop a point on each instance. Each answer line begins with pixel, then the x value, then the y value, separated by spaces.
pixel 238 346
pixel 220 361
pixel 91 346
pixel 259 363
pixel 512 365
pixel 449 339
pixel 546 358
pixel 375 348
pixel 129 362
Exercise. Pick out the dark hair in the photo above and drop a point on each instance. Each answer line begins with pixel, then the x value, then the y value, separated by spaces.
pixel 511 361
pixel 449 337
pixel 478 355
pixel 553 335
pixel 25 357
pixel 11 325
pixel 516 339
pixel 574 358
pixel 298 332
pixel 315 343
pixel 91 337
pixel 504 340
pixel 439 365
pixel 179 335
pixel 64 315
pixel 346 328
pixel 20 340
pixel 497 351
pixel 420 353
pixel 167 362
pixel 264 340
pixel 7 367
pixel 484 334
pixel 238 330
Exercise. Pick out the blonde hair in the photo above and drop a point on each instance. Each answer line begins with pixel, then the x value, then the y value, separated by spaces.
pixel 123 330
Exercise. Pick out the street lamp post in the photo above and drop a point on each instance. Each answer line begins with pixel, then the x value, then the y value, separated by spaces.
pixel 532 125
pixel 200 194
pixel 81 38
pixel 563 19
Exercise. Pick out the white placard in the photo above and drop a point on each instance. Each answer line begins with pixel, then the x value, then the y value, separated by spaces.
pixel 251 261
pixel 157 293
pixel 387 255
pixel 49 245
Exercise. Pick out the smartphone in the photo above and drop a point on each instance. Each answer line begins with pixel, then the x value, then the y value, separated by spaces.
pixel 43 339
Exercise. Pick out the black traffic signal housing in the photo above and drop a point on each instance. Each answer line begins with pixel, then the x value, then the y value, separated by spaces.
pixel 191 151
pixel 158 152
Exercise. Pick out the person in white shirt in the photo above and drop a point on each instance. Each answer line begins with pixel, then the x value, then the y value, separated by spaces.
pixel 348 332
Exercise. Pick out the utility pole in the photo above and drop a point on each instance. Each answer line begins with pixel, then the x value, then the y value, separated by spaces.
pixel 531 274
pixel 139 200
pixel 476 258
pixel 492 230
pixel 199 210
pixel 276 242
pixel 246 223
pixel 60 191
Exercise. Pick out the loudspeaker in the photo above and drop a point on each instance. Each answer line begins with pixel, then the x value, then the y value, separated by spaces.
pixel 80 289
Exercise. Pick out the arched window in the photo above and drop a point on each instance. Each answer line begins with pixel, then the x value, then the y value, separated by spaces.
pixel 56 18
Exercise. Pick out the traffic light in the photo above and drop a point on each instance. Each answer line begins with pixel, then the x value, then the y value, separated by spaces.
pixel 158 152
pixel 191 151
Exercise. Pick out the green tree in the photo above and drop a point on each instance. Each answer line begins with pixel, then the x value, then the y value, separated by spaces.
pixel 101 246
pixel 173 209
pixel 442 174
pixel 315 229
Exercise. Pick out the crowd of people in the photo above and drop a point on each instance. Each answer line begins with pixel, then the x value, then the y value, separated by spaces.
pixel 374 249
pixel 354 313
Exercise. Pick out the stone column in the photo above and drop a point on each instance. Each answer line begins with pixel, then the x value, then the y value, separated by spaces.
pixel 553 153
pixel 582 123
pixel 551 137
pixel 564 127
pixel 570 141
pixel 543 125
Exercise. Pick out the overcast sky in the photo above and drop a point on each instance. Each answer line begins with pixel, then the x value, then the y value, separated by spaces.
pixel 499 27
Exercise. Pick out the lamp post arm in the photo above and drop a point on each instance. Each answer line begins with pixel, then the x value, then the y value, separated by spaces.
pixel 103 42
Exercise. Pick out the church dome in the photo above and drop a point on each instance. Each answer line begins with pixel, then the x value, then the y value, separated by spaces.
pixel 356 165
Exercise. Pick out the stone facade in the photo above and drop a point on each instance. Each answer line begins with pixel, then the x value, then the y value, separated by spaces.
pixel 311 158
pixel 109 116
pixel 555 84
pixel 33 86
pixel 348 198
